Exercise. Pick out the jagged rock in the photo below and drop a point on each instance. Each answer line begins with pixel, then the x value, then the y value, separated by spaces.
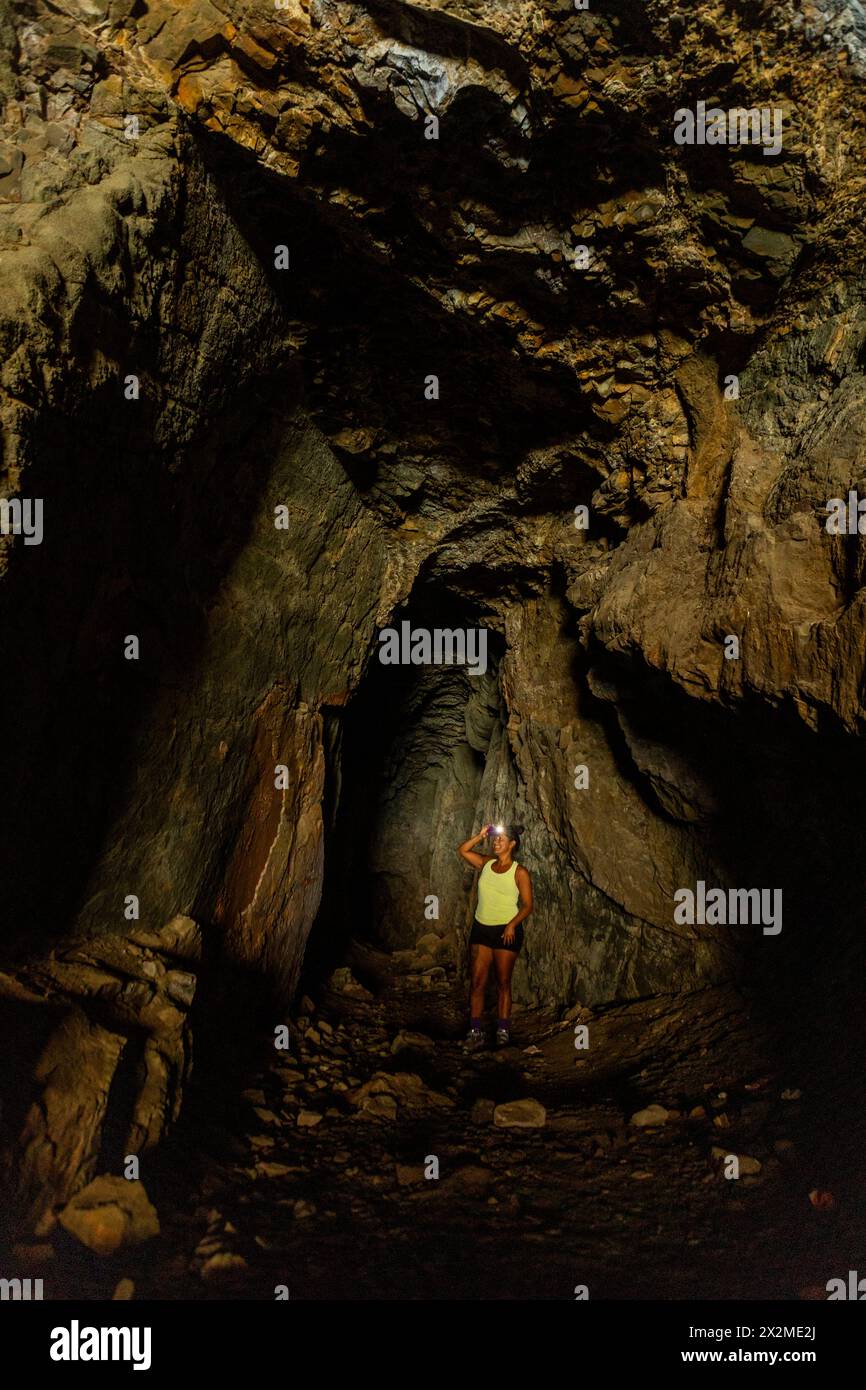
pixel 267 1117
pixel 308 1119
pixel 270 1169
pixel 429 944
pixel 378 1107
pixel 402 1089
pixel 407 1041
pixel 344 982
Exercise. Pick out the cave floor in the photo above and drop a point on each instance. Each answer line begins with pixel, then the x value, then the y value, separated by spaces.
pixel 338 1207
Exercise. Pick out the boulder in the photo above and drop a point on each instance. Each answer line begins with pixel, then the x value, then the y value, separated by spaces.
pixel 109 1214
pixel 520 1114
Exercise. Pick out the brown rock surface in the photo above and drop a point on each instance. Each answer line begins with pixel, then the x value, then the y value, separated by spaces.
pixel 273 488
pixel 110 1214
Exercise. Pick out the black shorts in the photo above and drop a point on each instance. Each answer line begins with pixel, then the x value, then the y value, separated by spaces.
pixel 492 936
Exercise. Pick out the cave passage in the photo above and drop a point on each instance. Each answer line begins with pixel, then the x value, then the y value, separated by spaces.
pixel 412 750
pixel 371 1158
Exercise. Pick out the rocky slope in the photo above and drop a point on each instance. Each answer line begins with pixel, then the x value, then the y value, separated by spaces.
pixel 236 243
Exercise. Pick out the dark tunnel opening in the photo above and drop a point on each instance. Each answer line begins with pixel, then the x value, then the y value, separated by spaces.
pixel 412 748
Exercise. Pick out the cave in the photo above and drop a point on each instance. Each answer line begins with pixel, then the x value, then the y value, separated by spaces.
pixel 424 439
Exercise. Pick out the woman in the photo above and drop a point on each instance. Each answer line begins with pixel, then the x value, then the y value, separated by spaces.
pixel 504 903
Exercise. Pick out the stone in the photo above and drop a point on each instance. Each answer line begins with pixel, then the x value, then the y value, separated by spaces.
pixel 344 982
pixel 650 1115
pixel 181 937
pixel 749 1166
pixel 110 1214
pixel 308 1119
pixel 405 1089
pixel 407 1041
pixel 270 1169
pixel 223 1268
pixel 289 1076
pixel 381 1107
pixel 520 1114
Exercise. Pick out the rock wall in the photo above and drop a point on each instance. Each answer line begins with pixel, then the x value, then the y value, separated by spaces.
pixel 297 340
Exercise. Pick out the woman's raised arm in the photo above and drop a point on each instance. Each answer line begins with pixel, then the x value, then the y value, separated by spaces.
pixel 465 850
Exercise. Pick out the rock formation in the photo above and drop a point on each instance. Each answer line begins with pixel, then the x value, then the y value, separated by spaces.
pixel 318 317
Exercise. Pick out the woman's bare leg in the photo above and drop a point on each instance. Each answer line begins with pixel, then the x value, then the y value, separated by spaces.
pixel 481 956
pixel 504 962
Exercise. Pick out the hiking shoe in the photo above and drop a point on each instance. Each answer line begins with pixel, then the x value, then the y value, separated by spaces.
pixel 503 1037
pixel 474 1040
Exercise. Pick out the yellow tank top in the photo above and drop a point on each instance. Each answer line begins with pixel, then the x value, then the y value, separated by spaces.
pixel 498 895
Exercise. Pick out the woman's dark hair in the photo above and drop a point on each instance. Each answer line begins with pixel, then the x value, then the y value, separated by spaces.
pixel 514 833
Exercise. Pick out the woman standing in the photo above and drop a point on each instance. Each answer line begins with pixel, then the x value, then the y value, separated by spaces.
pixel 504 902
